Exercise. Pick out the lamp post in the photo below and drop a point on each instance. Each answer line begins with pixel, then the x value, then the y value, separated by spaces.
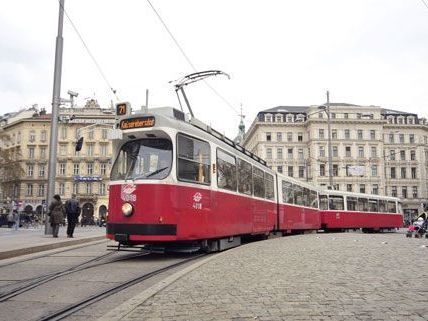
pixel 326 109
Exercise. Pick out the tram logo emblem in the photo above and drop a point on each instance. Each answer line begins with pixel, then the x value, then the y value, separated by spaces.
pixel 127 193
pixel 196 201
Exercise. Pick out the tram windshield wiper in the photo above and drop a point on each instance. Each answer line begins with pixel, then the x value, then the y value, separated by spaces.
pixel 152 173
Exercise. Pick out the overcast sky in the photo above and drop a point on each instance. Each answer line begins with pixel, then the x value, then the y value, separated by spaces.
pixel 277 52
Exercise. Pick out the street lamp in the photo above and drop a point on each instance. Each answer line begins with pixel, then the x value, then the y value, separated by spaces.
pixel 326 109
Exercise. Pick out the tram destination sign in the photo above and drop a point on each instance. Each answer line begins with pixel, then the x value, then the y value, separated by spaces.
pixel 138 122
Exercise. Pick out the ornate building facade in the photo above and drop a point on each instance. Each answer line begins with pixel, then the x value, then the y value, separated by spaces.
pixel 85 173
pixel 374 150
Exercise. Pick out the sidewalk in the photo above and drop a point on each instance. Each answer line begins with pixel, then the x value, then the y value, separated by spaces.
pixel 26 241
pixel 342 276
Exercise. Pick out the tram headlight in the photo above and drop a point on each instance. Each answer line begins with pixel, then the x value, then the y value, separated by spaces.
pixel 127 209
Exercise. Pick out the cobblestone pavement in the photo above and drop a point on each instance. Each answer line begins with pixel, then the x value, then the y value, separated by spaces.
pixel 347 276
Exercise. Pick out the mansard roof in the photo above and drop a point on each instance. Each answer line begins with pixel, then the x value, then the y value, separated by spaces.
pixel 286 109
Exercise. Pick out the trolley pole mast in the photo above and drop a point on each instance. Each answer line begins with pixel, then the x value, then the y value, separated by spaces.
pixel 56 98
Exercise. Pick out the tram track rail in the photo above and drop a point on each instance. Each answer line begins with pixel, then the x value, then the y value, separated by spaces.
pixel 32 283
pixel 86 302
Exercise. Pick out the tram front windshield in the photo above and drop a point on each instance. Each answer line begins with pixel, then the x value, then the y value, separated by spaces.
pixel 143 159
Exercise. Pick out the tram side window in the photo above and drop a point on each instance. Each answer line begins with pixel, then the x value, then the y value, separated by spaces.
pixel 336 203
pixel 392 208
pixel 306 194
pixel 323 202
pixel 382 206
pixel 226 171
pixel 193 160
pixel 373 206
pixel 298 195
pixel 351 203
pixel 313 199
pixel 287 192
pixel 269 187
pixel 363 204
pixel 258 182
pixel 245 177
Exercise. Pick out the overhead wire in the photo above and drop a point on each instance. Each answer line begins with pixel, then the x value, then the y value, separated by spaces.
pixel 426 5
pixel 188 59
pixel 89 51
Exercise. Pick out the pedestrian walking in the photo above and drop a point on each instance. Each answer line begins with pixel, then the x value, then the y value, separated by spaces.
pixel 56 214
pixel 72 209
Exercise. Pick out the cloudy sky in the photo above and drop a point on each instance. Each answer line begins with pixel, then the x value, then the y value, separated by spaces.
pixel 277 52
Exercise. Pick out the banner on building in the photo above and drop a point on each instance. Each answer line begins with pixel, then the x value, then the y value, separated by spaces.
pixel 356 170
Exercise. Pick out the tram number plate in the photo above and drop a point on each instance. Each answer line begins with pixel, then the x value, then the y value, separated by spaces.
pixel 121 237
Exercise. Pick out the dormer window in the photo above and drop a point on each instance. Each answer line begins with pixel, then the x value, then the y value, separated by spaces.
pixel 410 120
pixel 400 120
pixel 278 118
pixel 289 118
pixel 268 118
pixel 390 119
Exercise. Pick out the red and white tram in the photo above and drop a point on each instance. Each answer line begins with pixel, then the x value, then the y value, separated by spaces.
pixel 176 182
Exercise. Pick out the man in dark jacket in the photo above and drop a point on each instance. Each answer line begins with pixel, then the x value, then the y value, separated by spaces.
pixel 72 209
pixel 56 214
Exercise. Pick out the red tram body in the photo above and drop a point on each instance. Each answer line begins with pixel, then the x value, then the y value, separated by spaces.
pixel 178 182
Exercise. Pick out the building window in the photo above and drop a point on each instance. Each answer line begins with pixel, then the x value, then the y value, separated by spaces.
pixel 279 169
pixel 301 171
pixel 62 169
pixel 410 120
pixel 393 174
pixel 374 170
pixel 334 134
pixel 300 137
pixel 102 189
pixel 411 138
pixel 349 187
pixel 30 170
pixel 43 136
pixel 335 170
pixel 375 189
pixel 41 170
pixel 63 150
pixel 268 118
pixel 76 169
pixel 412 155
pixel 392 154
pixel 104 133
pixel 268 137
pixel 63 132
pixel 90 167
pixel 362 188
pixel 360 134
pixel 401 138
pixel 335 151
pixel 402 155
pixel 333 115
pixel 321 133
pixel 300 154
pixel 322 151
pixel 361 151
pixel 103 169
pixel 347 151
pixel 29 190
pixel 322 169
pixel 391 138
pixel 268 153
pixel 32 137
pixel 18 138
pixel 42 152
pixel 290 153
pixel 403 172
pixel 90 149
pixel 289 118
pixel 289 137
pixel 88 188
pixel 404 191
pixel 413 171
pixel 347 134
pixel 41 191
pixel 61 189
pixel 373 151
pixel 290 171
pixel 346 115
pixel 320 115
pixel 394 191
pixel 91 134
pixel 279 153
pixel 372 134
pixel 415 191
pixel 359 115
pixel 75 188
pixel 31 152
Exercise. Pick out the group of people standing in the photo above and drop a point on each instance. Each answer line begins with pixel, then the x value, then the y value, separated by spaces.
pixel 58 211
